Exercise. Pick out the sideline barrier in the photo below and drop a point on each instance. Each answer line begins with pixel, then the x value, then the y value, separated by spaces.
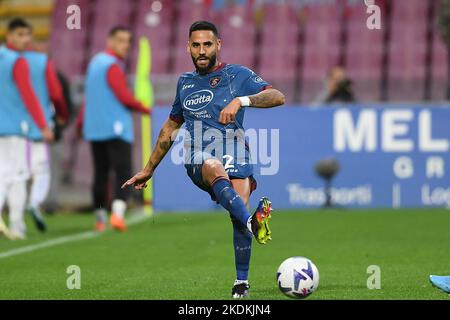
pixel 390 156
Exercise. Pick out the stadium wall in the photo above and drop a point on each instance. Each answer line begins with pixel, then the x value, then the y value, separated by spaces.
pixel 389 156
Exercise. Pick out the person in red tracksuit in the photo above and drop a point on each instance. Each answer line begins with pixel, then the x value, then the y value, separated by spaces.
pixel 18 105
pixel 106 122
pixel 48 89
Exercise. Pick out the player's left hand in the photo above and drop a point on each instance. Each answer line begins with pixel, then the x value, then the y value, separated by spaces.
pixel 228 114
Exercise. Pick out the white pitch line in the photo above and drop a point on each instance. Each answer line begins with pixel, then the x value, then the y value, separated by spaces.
pixel 76 237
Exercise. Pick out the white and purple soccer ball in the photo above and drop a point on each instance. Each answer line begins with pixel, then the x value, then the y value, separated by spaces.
pixel 297 277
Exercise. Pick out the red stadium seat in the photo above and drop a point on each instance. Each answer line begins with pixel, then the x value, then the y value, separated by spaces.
pixel 439 64
pixel 166 25
pixel 67 47
pixel 237 30
pixel 364 53
pixel 154 23
pixel 279 49
pixel 108 14
pixel 407 50
pixel 321 46
pixel 188 12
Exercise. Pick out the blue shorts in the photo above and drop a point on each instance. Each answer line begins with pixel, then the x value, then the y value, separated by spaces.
pixel 233 169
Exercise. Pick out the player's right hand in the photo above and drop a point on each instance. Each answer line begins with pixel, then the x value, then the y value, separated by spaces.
pixel 47 135
pixel 139 181
pixel 228 114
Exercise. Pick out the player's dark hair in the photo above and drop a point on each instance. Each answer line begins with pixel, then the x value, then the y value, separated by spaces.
pixel 203 25
pixel 17 23
pixel 117 29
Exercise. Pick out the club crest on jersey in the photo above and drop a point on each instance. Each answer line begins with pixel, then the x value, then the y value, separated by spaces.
pixel 198 100
pixel 258 79
pixel 213 82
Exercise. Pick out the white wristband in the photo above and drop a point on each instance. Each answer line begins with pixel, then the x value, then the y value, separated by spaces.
pixel 245 101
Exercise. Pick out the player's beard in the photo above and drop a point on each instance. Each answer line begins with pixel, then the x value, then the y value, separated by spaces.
pixel 211 64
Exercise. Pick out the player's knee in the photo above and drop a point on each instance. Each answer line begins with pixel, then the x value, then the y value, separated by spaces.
pixel 212 169
pixel 212 163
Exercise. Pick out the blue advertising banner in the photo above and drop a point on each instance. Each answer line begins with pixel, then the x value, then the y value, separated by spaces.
pixel 396 156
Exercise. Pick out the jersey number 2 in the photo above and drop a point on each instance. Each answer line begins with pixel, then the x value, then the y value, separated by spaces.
pixel 228 162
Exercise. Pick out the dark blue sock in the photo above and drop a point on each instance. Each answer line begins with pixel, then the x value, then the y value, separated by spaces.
pixel 230 200
pixel 242 242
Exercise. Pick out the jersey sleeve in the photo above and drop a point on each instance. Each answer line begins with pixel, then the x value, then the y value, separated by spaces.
pixel 251 83
pixel 21 76
pixel 177 111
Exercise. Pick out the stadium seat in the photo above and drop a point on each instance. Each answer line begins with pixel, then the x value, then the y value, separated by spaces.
pixel 108 14
pixel 188 12
pixel 67 47
pixel 153 22
pixel 407 50
pixel 281 49
pixel 363 54
pixel 237 20
pixel 321 46
pixel 320 23
pixel 439 64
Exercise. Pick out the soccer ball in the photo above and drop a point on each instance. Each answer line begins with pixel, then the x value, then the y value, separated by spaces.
pixel 297 277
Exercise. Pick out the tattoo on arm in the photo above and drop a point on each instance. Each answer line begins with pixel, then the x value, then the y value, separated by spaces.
pixel 163 144
pixel 161 134
pixel 151 166
pixel 267 99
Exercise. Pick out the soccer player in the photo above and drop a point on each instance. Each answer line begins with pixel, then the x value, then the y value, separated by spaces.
pixel 18 101
pixel 49 92
pixel 107 123
pixel 215 96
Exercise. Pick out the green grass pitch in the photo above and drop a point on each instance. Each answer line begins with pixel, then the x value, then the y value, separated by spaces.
pixel 190 256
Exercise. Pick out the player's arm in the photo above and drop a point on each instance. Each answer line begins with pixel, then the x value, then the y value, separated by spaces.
pixel 56 94
pixel 21 75
pixel 163 144
pixel 268 98
pixel 118 83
